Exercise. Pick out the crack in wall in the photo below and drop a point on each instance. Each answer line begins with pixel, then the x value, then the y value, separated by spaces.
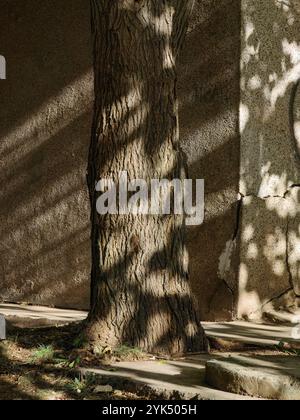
pixel 287 233
pixel 287 256
pixel 238 218
pixel 270 301
pixel 225 259
pixel 281 295
pixel 284 196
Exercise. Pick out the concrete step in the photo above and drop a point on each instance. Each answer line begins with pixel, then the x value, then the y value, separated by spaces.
pixel 269 377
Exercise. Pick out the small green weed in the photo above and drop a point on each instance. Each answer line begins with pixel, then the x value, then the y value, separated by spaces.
pixel 43 354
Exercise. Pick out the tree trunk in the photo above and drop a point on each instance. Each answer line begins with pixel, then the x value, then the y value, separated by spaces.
pixel 140 291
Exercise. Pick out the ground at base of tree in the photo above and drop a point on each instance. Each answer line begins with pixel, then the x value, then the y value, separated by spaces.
pixel 43 364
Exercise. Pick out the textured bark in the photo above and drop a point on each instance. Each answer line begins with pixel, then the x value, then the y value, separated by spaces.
pixel 140 290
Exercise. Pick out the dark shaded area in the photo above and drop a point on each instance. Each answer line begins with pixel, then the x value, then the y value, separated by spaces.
pixel 45 116
pixel 25 377
pixel 209 92
pixel 14 374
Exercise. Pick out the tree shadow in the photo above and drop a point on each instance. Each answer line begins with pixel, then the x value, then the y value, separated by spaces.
pixel 45 128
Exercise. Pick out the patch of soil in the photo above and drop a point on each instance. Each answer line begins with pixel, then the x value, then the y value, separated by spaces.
pixel 42 364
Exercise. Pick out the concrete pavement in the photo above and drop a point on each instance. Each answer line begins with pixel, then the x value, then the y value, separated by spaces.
pixel 238 331
pixel 270 376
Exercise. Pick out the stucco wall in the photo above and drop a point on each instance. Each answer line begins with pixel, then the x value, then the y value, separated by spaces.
pixel 210 94
pixel 269 247
pixel 45 119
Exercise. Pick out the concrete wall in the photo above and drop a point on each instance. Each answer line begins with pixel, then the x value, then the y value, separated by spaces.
pixel 45 119
pixel 210 95
pixel 45 116
pixel 269 244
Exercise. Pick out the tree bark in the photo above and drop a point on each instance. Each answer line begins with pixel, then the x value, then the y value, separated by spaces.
pixel 140 294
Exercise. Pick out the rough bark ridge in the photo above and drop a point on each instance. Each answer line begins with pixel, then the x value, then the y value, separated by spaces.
pixel 140 291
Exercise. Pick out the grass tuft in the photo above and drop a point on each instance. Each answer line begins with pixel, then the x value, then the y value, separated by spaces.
pixel 128 352
pixel 43 354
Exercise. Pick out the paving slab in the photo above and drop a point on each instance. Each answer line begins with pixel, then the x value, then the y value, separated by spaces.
pixel 178 379
pixel 29 316
pixel 263 335
pixel 270 377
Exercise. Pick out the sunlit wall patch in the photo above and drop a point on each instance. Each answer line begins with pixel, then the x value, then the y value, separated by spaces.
pixel 296 332
pixel 2 68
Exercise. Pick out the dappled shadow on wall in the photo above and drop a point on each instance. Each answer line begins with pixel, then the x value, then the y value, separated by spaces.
pixel 45 115
pixel 269 277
